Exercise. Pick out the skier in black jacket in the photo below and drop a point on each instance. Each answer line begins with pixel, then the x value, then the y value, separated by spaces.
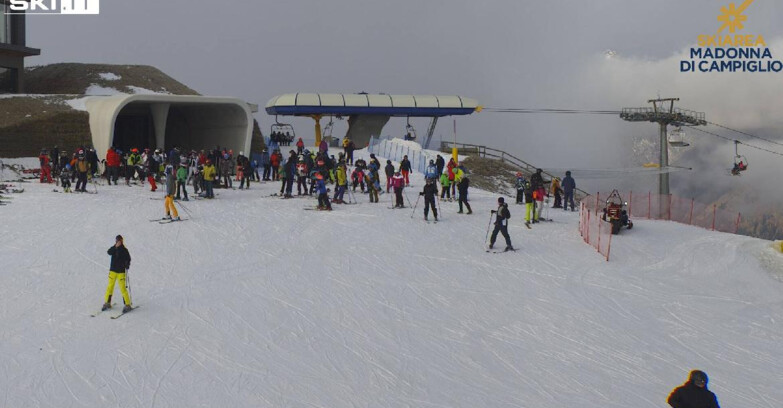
pixel 694 393
pixel 501 224
pixel 463 194
pixel 429 192
pixel 389 169
pixel 120 263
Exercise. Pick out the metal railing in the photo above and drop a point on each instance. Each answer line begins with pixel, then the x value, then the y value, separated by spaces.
pixel 503 156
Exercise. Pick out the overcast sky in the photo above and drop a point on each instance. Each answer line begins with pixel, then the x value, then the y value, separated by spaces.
pixel 542 54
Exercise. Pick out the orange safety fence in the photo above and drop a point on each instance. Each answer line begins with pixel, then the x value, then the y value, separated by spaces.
pixel 595 231
pixel 653 207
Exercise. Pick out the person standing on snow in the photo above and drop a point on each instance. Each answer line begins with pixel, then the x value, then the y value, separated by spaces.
pixel 182 180
pixel 265 163
pixel 556 191
pixel 440 163
pixel 429 193
pixel 171 189
pixel 152 171
pixel 501 224
pixel 405 168
pixel 342 183
pixel 520 185
pixel 373 185
pixel 431 172
pixel 120 263
pixel 445 184
pixel 463 194
pixel 389 170
pixel 530 206
pixel 694 393
pixel 323 193
pixel 569 185
pixel 209 178
pixel 398 183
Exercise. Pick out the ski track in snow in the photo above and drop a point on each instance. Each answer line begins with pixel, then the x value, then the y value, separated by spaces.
pixel 255 302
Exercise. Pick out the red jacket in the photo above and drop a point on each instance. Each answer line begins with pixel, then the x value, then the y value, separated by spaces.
pixel 398 181
pixel 112 158
pixel 274 160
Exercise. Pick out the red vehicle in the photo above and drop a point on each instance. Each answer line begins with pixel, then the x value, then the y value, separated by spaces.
pixel 615 212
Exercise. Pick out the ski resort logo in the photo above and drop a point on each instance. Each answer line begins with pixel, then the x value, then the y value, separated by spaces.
pixel 728 50
pixel 55 7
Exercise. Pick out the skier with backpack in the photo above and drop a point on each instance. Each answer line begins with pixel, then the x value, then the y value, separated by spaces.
pixel 502 215
pixel 431 172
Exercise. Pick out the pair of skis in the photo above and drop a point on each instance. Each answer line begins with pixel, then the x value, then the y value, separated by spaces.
pixel 168 220
pixel 115 316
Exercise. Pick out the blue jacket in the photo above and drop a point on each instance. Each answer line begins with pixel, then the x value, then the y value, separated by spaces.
pixel 264 159
pixel 320 187
pixel 568 184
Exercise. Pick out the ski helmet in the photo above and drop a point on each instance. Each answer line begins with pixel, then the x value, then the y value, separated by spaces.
pixel 568 173
pixel 699 378
pixel 501 200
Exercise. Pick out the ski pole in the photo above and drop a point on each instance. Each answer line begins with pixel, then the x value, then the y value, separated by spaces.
pixel 490 223
pixel 416 205
pixel 127 286
pixel 406 197
pixel 437 201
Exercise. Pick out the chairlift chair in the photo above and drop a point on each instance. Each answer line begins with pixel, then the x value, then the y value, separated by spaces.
pixel 740 161
pixel 676 139
pixel 410 131
pixel 283 129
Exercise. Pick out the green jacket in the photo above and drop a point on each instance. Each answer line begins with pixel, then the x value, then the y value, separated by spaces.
pixel 182 174
pixel 444 180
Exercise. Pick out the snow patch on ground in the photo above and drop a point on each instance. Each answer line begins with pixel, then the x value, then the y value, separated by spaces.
pixel 77 104
pixel 109 76
pixel 143 91
pixel 97 90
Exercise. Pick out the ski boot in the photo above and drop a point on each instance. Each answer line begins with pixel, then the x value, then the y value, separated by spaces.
pixel 127 308
pixel 106 306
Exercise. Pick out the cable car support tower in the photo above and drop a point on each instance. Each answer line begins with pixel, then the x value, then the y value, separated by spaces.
pixel 664 113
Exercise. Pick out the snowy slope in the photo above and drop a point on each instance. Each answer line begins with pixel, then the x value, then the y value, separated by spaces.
pixel 254 302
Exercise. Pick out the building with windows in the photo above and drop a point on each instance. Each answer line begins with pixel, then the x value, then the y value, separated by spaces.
pixel 13 49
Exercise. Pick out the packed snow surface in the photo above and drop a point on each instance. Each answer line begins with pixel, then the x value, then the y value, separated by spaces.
pixel 255 302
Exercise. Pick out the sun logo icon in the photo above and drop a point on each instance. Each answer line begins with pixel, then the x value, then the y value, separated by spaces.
pixel 732 16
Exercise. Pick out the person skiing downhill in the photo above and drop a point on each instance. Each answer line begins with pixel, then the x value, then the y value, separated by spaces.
pixel 501 224
pixel 120 263
pixel 429 193
pixel 694 393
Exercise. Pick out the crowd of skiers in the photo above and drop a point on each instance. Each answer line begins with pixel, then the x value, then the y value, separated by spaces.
pixel 310 171
pixel 532 193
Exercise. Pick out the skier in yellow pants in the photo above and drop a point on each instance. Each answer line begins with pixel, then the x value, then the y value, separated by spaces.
pixel 171 189
pixel 529 203
pixel 120 263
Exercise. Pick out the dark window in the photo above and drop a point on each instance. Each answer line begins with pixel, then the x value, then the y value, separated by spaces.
pixel 8 80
